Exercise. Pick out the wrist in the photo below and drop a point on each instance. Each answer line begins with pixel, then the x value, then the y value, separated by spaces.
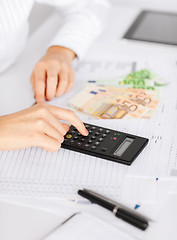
pixel 62 51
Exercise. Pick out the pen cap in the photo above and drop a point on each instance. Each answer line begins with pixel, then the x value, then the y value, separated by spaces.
pixel 132 219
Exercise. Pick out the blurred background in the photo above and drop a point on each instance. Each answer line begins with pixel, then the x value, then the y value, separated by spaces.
pixel 169 5
pixel 164 5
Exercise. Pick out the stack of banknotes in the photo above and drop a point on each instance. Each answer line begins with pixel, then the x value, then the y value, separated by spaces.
pixel 136 95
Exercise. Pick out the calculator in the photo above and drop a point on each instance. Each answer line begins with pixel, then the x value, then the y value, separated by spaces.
pixel 105 143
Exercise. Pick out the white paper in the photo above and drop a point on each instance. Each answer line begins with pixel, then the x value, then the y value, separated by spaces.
pixel 36 173
pixel 86 226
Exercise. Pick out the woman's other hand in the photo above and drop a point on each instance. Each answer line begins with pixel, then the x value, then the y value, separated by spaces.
pixel 53 75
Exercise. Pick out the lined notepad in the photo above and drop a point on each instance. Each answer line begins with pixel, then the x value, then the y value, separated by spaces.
pixel 36 173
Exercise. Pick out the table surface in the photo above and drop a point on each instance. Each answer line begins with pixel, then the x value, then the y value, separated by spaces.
pixel 110 42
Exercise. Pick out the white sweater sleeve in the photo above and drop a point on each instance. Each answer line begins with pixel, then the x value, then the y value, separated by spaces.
pixel 13 29
pixel 82 22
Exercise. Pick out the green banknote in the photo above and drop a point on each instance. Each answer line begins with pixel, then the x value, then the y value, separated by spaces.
pixel 143 79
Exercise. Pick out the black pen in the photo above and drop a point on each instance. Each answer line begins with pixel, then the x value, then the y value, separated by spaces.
pixel 119 210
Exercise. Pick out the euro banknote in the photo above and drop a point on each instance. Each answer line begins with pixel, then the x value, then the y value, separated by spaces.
pixel 136 95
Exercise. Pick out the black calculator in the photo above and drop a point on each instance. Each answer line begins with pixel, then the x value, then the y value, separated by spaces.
pixel 105 143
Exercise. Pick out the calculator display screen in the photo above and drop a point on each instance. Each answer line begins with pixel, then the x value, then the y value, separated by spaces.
pixel 123 147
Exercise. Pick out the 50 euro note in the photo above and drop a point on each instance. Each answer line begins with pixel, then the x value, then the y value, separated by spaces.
pixel 106 105
pixel 147 98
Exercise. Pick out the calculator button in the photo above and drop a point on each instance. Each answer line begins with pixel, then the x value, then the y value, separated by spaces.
pixel 73 131
pixel 107 131
pixel 93 128
pixel 82 139
pixel 100 139
pixel 114 138
pixel 100 129
pixel 79 143
pixel 76 137
pixel 93 147
pixel 93 137
pixel 90 131
pixel 68 136
pixel 104 135
pixel 86 145
pixel 86 125
pixel 72 142
pixel 97 133
pixel 79 134
pixel 104 149
pixel 118 134
pixel 90 141
pixel 97 143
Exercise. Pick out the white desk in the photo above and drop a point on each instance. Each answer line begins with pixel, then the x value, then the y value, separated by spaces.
pixel 17 92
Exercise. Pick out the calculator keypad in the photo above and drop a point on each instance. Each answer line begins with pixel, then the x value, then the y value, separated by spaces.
pixel 105 143
pixel 96 137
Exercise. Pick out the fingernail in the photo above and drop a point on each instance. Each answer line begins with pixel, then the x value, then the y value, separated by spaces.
pixel 86 132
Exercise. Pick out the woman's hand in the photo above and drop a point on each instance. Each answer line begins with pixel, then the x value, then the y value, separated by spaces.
pixel 53 75
pixel 37 126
